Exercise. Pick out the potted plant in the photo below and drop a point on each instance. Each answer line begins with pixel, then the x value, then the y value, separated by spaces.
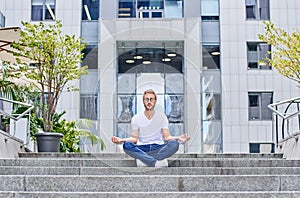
pixel 55 62
pixel 73 131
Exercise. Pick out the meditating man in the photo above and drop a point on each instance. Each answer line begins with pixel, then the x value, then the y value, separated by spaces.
pixel 150 142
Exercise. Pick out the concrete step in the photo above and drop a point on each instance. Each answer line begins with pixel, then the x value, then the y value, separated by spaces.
pixel 262 194
pixel 150 183
pixel 42 170
pixel 116 175
pixel 173 162
pixel 67 162
pixel 233 162
pixel 122 155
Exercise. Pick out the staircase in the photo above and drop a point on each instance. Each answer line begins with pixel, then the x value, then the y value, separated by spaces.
pixel 115 175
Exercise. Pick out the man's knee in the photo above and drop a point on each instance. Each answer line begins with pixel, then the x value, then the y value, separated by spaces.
pixel 174 144
pixel 127 145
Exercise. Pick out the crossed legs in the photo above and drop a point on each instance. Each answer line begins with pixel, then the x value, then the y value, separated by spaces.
pixel 149 154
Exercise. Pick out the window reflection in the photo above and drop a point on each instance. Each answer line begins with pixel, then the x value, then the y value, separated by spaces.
pixel 89 95
pixel 126 111
pixel 258 105
pixel 150 9
pixel 256 55
pixel 127 9
pixel 89 106
pixel 212 137
pixel 211 56
pixel 90 9
pixel 211 106
pixel 43 10
pixel 90 57
pixel 174 108
pixel 257 9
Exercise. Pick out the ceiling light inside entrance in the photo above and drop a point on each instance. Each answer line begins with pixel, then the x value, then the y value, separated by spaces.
pixel 129 61
pixel 171 54
pixel 146 62
pixel 166 59
pixel 138 57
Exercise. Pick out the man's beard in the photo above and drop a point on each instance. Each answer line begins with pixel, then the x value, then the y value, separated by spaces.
pixel 150 107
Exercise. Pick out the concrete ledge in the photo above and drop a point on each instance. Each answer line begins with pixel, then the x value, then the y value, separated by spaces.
pixel 122 155
pixel 290 146
pixel 27 170
pixel 155 183
pixel 239 162
pixel 173 162
pixel 286 194
pixel 10 146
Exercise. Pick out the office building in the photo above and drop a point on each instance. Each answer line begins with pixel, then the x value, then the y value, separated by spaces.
pixel 200 56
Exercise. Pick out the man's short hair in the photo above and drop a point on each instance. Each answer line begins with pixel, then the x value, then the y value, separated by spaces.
pixel 149 91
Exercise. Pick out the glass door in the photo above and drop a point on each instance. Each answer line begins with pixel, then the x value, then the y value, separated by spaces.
pixel 148 69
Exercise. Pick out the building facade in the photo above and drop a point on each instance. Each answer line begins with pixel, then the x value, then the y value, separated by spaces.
pixel 200 56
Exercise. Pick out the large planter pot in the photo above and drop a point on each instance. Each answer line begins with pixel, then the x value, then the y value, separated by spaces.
pixel 48 141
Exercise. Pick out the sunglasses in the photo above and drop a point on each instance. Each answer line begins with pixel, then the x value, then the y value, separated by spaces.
pixel 149 99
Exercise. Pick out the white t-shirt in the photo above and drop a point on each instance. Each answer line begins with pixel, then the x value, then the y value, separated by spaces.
pixel 150 131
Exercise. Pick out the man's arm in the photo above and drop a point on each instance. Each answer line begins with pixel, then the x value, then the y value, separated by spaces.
pixel 133 138
pixel 167 136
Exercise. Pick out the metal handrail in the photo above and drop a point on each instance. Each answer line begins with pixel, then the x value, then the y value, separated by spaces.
pixel 17 117
pixel 285 116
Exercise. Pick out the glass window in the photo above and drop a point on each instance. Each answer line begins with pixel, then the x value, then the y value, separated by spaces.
pixel 261 147
pixel 211 103
pixel 90 9
pixel 211 81
pixel 89 89
pixel 153 65
pixel 209 7
pixel 257 9
pixel 211 56
pixel 150 9
pixel 173 9
pixel 139 57
pixel 212 136
pixel 127 8
pixel 43 10
pixel 174 108
pixel 258 105
pixel 90 57
pixel 89 84
pixel 125 108
pixel 256 55
pixel 174 83
pixel 210 31
pixel 150 4
pixel 88 106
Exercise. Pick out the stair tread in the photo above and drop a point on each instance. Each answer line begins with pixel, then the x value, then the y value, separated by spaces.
pixel 41 170
pixel 116 175
pixel 251 194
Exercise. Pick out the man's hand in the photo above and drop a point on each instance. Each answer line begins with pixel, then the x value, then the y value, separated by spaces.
pixel 183 138
pixel 116 140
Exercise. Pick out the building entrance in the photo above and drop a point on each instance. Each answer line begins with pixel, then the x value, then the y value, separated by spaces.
pixel 150 65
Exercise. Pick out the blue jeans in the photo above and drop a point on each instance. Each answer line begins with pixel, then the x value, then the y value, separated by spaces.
pixel 150 153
